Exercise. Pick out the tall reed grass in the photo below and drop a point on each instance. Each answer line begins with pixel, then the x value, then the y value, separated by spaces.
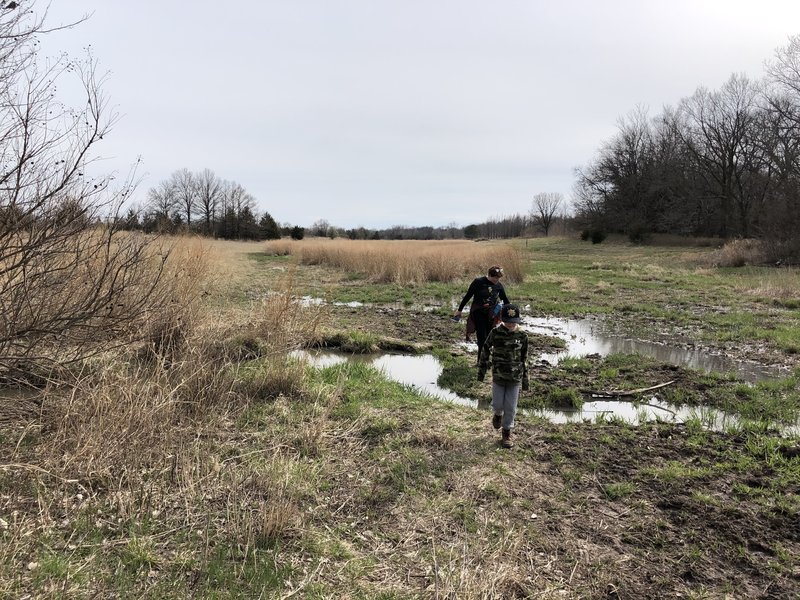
pixel 406 261
pixel 124 408
pixel 143 430
pixel 780 285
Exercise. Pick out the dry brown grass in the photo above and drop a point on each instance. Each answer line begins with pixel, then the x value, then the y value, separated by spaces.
pixel 227 262
pixel 780 284
pixel 149 429
pixel 738 253
pixel 122 414
pixel 407 261
pixel 189 473
pixel 96 290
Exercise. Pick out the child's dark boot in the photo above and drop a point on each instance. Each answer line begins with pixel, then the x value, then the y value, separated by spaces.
pixel 506 442
pixel 496 421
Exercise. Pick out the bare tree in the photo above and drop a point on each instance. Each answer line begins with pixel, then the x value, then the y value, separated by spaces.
pixel 319 228
pixel 544 210
pixel 209 194
pixel 783 99
pixel 71 282
pixel 785 68
pixel 183 186
pixel 782 221
pixel 161 203
pixel 720 132
pixel 236 206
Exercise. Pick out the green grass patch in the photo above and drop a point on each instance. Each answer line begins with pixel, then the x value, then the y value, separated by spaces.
pixel 353 342
pixel 225 575
pixel 675 471
pixel 617 491
pixel 564 398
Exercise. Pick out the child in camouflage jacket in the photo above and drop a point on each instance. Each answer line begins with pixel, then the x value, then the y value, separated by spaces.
pixel 506 349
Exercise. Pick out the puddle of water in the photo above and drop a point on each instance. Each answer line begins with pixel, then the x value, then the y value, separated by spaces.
pixel 639 412
pixel 428 307
pixel 310 301
pixel 418 371
pixel 594 336
pixel 421 373
pixel 591 336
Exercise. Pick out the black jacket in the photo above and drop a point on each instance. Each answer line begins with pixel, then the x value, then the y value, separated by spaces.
pixel 485 294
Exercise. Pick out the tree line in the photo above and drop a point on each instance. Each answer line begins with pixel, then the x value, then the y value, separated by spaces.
pixel 548 213
pixel 722 163
pixel 203 203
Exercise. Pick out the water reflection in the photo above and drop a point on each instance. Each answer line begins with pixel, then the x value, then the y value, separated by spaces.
pixel 419 371
pixel 427 306
pixel 591 336
pixel 648 410
pixel 598 336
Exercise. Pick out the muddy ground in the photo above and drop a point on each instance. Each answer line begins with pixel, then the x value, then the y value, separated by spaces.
pixel 411 330
pixel 397 498
pixel 660 510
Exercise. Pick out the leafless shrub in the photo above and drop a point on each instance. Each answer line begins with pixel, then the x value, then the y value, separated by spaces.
pixel 784 250
pixel 71 282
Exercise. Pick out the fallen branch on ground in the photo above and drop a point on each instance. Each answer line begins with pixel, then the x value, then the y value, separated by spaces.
pixel 618 393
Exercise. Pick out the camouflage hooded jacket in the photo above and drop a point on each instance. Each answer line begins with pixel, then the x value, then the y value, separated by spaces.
pixel 507 352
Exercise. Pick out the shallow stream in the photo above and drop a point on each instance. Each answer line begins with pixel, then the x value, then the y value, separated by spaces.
pixel 595 336
pixel 582 337
pixel 421 373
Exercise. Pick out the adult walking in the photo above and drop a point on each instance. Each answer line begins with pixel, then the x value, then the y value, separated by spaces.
pixel 486 293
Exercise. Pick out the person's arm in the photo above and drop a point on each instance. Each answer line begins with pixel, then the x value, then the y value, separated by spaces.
pixel 503 296
pixel 470 292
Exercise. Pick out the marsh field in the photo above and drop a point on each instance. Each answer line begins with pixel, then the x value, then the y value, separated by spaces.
pixel 215 462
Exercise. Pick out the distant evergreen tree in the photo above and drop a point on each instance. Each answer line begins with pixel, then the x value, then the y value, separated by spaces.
pixel 131 221
pixel 471 232
pixel 227 228
pixel 268 228
pixel 248 228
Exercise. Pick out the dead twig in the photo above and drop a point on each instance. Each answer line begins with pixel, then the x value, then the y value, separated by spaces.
pixel 30 467
pixel 304 584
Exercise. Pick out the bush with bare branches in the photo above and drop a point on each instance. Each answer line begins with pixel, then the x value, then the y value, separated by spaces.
pixel 72 283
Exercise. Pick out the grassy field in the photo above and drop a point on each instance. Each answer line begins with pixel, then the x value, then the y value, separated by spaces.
pixel 214 465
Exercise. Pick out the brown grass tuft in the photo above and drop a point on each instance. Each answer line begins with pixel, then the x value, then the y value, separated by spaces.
pixel 738 253
pixel 782 285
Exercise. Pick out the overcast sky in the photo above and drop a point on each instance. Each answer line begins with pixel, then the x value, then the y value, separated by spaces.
pixel 400 112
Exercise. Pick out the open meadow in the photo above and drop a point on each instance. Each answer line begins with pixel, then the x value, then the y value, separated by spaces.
pixel 210 461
